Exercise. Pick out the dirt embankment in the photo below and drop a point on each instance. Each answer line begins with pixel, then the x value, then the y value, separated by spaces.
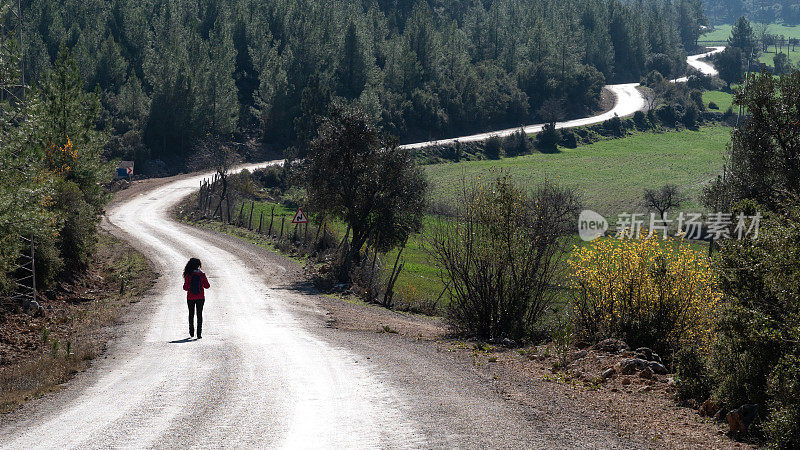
pixel 38 353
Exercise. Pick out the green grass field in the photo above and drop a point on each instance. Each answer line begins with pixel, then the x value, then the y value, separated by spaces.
pixel 610 175
pixel 723 99
pixel 723 32
pixel 767 58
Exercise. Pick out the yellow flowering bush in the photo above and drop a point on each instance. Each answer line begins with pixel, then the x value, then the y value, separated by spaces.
pixel 651 292
pixel 62 159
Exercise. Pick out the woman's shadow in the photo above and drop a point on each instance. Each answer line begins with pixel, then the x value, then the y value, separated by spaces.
pixel 182 341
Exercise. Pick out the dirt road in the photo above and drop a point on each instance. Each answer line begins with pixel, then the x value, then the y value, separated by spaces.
pixel 268 371
pixel 628 99
pixel 696 62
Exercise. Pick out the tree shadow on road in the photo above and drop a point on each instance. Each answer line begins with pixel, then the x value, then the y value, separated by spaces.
pixel 303 286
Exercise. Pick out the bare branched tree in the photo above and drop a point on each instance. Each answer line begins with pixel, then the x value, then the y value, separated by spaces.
pixel 664 199
pixel 214 153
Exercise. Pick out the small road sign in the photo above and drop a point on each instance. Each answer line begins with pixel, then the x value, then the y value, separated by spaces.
pixel 300 217
pixel 125 169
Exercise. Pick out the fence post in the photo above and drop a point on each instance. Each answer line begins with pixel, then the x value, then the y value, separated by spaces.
pixel 283 218
pixel 271 219
pixel 200 196
pixel 319 225
pixel 250 220
pixel 260 221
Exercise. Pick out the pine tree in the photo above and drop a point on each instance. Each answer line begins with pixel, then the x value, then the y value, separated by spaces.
pixel 24 183
pixel 743 38
pixel 221 87
pixel 352 70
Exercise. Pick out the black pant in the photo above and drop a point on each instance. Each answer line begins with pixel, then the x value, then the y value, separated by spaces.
pixel 196 304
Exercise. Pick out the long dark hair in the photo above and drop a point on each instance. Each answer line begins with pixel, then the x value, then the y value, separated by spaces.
pixel 191 266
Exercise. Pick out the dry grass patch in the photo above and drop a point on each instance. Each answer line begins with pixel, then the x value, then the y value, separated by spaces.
pixel 37 354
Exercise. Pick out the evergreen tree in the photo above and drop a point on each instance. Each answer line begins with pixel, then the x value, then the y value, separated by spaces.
pixel 73 147
pixel 221 88
pixel 730 64
pixel 352 70
pixel 24 183
pixel 743 38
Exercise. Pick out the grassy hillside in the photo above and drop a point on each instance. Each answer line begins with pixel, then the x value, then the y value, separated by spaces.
pixel 611 175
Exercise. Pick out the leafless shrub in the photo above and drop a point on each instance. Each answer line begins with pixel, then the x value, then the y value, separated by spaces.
pixel 502 254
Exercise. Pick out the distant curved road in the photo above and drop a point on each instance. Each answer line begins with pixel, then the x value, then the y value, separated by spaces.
pixel 628 100
pixel 696 62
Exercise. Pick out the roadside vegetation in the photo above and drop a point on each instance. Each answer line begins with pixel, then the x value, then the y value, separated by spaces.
pixel 500 252
pixel 51 176
pixel 40 353
pixel 54 185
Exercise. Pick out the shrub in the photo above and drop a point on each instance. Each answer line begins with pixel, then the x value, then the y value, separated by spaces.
pixel 500 256
pixel 517 144
pixel 650 292
pixel 697 98
pixel 270 176
pixel 690 117
pixel 568 138
pixel 243 183
pixel 493 146
pixel 78 237
pixel 712 105
pixel 667 114
pixel 756 352
pixel 614 127
pixel 640 120
pixel 651 117
pixel 692 377
pixel 700 82
pixel 547 139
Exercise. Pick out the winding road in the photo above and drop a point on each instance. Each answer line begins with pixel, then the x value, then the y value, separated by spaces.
pixel 628 100
pixel 269 373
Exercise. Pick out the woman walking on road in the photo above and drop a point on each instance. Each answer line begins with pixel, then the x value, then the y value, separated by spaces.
pixel 194 283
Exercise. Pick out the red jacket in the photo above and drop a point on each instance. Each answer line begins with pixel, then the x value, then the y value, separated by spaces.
pixel 203 285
